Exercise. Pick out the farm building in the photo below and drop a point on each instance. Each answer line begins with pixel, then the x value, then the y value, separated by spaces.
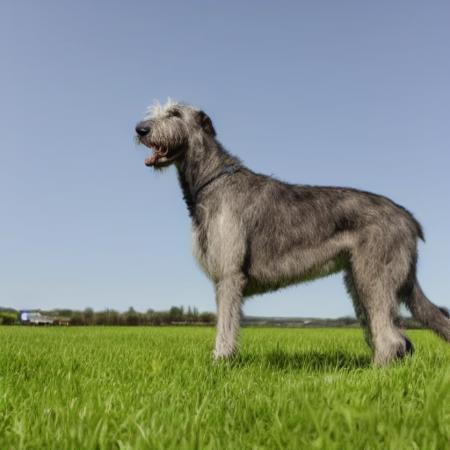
pixel 35 318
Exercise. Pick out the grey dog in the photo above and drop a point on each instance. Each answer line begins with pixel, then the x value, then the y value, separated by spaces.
pixel 253 234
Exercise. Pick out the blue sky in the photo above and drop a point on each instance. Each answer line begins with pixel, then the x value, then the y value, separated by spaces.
pixel 335 93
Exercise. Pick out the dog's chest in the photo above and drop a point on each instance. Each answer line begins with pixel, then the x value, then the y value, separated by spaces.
pixel 216 244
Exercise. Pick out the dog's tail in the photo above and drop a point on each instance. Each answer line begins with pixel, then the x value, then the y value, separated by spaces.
pixel 427 313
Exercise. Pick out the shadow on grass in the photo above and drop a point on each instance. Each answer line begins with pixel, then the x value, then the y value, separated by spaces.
pixel 318 361
pixel 308 360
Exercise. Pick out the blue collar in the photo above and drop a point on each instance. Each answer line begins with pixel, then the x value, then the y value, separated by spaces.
pixel 228 169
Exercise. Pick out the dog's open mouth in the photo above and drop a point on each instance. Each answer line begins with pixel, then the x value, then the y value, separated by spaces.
pixel 161 155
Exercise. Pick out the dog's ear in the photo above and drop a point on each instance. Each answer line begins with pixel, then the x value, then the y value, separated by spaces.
pixel 206 123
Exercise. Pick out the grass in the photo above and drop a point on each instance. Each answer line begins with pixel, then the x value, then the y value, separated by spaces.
pixel 157 388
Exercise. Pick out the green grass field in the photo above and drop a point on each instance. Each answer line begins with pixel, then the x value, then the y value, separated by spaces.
pixel 128 388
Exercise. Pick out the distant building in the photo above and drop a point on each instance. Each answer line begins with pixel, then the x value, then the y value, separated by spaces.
pixel 61 321
pixel 35 318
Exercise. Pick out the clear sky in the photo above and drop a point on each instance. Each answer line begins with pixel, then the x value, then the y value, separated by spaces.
pixel 335 93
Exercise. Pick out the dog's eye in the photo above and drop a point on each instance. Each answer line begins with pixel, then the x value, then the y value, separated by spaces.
pixel 176 114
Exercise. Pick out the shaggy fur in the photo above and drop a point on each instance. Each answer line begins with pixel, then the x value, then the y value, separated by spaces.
pixel 253 234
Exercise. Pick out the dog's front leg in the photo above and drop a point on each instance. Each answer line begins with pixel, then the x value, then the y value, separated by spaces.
pixel 229 291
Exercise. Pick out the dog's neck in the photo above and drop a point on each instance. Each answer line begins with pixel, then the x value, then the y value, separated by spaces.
pixel 204 160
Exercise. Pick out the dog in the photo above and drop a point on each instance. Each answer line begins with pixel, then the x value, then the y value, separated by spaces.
pixel 253 234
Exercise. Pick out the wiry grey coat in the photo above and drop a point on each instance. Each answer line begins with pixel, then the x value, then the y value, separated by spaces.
pixel 253 234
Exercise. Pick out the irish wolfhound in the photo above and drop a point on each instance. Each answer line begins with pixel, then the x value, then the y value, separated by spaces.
pixel 253 234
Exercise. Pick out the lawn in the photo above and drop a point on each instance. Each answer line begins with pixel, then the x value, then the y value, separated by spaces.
pixel 157 388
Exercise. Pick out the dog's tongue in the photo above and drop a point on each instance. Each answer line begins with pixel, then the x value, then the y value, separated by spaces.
pixel 152 160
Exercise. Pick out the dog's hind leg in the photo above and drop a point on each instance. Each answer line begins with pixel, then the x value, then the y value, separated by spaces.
pixel 229 292
pixel 378 273
pixel 381 305
pixel 360 310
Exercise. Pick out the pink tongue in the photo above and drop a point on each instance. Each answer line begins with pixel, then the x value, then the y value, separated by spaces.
pixel 152 160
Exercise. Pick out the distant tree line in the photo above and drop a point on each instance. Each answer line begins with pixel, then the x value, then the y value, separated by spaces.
pixel 8 317
pixel 176 315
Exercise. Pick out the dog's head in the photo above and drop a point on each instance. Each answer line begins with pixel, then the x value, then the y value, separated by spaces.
pixel 168 130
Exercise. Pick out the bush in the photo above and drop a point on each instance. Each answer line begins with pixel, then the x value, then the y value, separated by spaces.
pixel 8 318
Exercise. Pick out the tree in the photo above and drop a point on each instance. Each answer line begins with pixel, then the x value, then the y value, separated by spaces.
pixel 7 318
pixel 88 316
pixel 207 317
pixel 132 317
pixel 176 314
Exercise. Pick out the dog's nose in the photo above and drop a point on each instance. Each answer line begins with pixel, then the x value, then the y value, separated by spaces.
pixel 142 131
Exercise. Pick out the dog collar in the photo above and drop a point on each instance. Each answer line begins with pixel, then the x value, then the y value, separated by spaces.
pixel 228 169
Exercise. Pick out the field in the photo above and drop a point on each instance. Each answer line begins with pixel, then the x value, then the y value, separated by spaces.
pixel 157 388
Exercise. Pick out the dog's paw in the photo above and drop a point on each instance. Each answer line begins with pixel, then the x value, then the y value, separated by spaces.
pixel 409 346
pixel 406 350
pixel 217 357
pixel 223 355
